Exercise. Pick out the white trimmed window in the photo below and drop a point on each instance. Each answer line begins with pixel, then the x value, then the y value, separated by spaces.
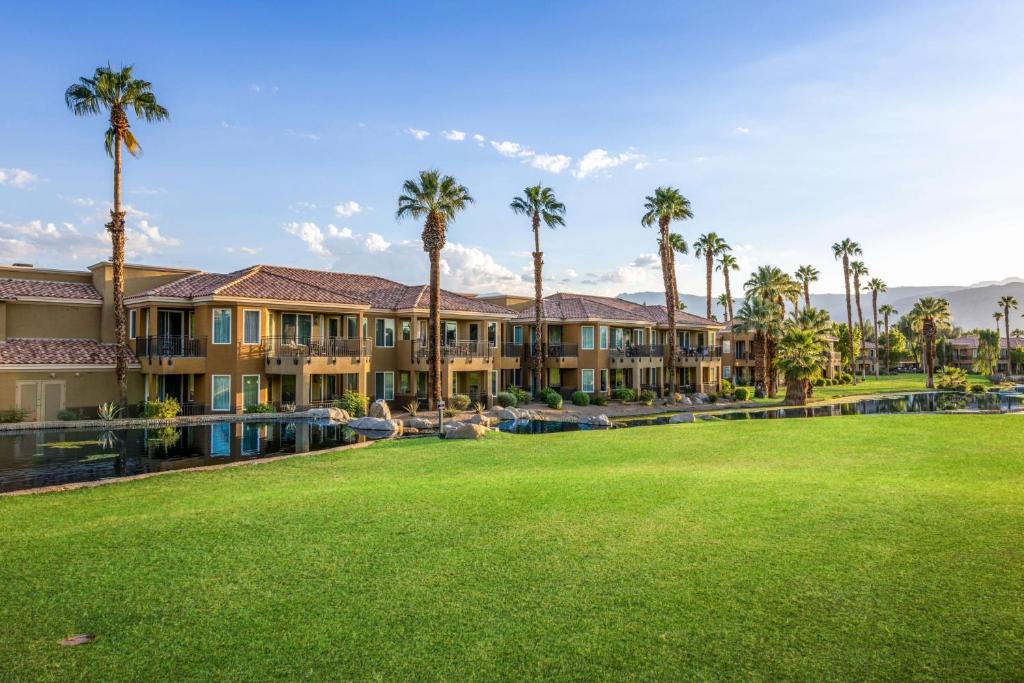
pixel 726 371
pixel 222 326
pixel 602 335
pixel 220 392
pixel 384 332
pixel 133 324
pixel 384 385
pixel 726 346
pixel 250 390
pixel 587 381
pixel 517 335
pixel 587 340
pixel 250 327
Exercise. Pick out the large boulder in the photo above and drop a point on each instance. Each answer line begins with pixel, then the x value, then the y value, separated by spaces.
pixel 681 418
pixel 684 400
pixel 466 431
pixel 333 414
pixel 508 414
pixel 379 408
pixel 377 426
pixel 484 420
pixel 417 423
pixel 700 397
pixel 595 420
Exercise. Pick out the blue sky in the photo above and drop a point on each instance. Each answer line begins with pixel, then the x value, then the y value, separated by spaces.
pixel 788 126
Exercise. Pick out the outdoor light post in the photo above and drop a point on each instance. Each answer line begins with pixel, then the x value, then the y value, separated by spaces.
pixel 440 418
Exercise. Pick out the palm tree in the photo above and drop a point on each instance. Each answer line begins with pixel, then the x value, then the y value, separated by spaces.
pixel 726 263
pixel 438 199
pixel 709 246
pixel 859 270
pixel 762 317
pixel 927 316
pixel 886 310
pixel 1008 302
pixel 724 302
pixel 875 285
pixel 799 360
pixel 806 275
pixel 664 206
pixel 539 204
pixel 116 92
pixel 676 245
pixel 843 251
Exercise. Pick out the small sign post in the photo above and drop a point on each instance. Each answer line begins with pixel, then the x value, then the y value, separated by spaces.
pixel 440 418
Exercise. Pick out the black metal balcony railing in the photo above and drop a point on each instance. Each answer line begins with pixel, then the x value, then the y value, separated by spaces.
pixel 700 352
pixel 176 346
pixel 318 347
pixel 742 355
pixel 457 349
pixel 556 350
pixel 510 350
pixel 638 351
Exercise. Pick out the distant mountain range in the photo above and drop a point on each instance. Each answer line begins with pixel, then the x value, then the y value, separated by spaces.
pixel 971 306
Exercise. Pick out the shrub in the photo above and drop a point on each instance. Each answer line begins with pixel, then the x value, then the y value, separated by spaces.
pixel 820 382
pixel 479 408
pixel 624 394
pixel 742 393
pixel 67 415
pixel 161 410
pixel 354 404
pixel 647 397
pixel 952 379
pixel 108 411
pixel 554 401
pixel 413 407
pixel 712 397
pixel 726 387
pixel 580 398
pixel 506 399
pixel 546 392
pixel 260 408
pixel 459 401
pixel 845 378
pixel 978 388
pixel 450 411
pixel 13 415
pixel 522 396
pixel 600 400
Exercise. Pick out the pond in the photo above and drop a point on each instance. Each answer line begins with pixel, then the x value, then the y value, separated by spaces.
pixel 51 457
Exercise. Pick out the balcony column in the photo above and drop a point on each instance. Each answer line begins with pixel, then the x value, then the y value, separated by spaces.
pixel 302 397
pixel 151 325
pixel 414 330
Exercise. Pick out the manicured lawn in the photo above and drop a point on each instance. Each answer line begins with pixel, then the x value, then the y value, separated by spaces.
pixel 880 547
pixel 884 384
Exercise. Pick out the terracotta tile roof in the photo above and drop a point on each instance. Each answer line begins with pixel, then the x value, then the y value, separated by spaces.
pixel 14 288
pixel 319 286
pixel 21 351
pixel 581 307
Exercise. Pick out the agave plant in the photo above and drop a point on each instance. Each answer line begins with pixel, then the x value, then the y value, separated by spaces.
pixel 412 407
pixel 108 411
pixel 479 408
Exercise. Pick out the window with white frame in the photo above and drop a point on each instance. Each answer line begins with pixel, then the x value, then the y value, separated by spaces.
pixel 587 379
pixel 222 326
pixel 726 346
pixel 587 339
pixel 726 371
pixel 384 332
pixel 384 385
pixel 603 336
pixel 517 335
pixel 220 398
pixel 133 324
pixel 604 379
pixel 638 336
pixel 250 327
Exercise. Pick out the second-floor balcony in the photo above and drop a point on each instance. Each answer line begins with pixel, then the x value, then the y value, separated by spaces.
pixel 511 350
pixel 555 350
pixel 699 353
pixel 637 351
pixel 170 346
pixel 315 347
pixel 456 349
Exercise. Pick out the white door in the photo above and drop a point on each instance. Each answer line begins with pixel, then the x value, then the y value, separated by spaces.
pixel 41 400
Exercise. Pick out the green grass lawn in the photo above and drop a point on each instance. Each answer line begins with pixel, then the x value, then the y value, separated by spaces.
pixel 883 385
pixel 881 547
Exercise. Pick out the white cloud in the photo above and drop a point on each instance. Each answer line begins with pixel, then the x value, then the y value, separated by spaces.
pixel 146 238
pixel 300 207
pixel 17 177
pixel 479 139
pixel 250 251
pixel 83 201
pixel 555 163
pixel 339 233
pixel 741 130
pixel 454 135
pixel 348 209
pixel 510 149
pixel 376 243
pixel 646 261
pixel 63 242
pixel 597 160
pixel 641 165
pixel 311 234
pixel 417 133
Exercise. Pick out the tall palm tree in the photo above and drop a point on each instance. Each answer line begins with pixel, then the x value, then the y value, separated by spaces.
pixel 1008 302
pixel 540 204
pixel 708 247
pixel 875 285
pixel 806 275
pixel 438 199
pixel 927 316
pixel 763 318
pixel 667 204
pixel 116 92
pixel 724 302
pixel 859 270
pixel 676 245
pixel 886 310
pixel 727 262
pixel 998 315
pixel 775 287
pixel 799 360
pixel 843 251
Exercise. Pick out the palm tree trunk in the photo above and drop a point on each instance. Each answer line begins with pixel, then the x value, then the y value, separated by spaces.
pixel 709 262
pixel 1006 319
pixel 433 240
pixel 929 353
pixel 728 292
pixel 807 293
pixel 770 371
pixel 538 307
pixel 888 342
pixel 860 323
pixel 671 300
pixel 849 313
pixel 116 228
pixel 874 313
pixel 796 392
